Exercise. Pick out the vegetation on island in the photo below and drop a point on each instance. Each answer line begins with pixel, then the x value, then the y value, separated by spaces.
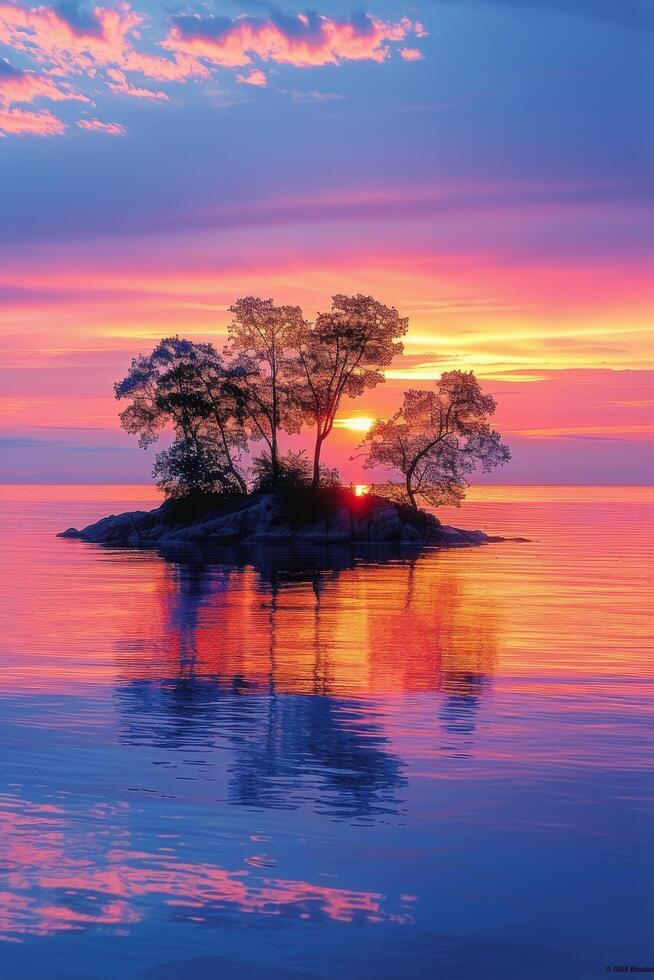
pixel 279 373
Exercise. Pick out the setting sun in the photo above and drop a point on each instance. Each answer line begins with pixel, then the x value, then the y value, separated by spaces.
pixel 358 423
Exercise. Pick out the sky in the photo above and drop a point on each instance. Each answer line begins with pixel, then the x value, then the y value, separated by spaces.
pixel 483 165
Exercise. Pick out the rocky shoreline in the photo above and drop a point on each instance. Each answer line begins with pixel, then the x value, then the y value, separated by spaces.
pixel 264 517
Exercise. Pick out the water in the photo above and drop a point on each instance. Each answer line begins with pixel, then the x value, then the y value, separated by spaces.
pixel 270 766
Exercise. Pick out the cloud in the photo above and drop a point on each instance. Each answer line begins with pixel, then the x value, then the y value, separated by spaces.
pixel 644 431
pixel 313 95
pixel 300 40
pixel 120 85
pixel 254 77
pixel 19 122
pixel 21 442
pixel 70 40
pixel 164 68
pixel 97 126
pixel 66 39
pixel 411 54
pixel 18 86
pixel 70 43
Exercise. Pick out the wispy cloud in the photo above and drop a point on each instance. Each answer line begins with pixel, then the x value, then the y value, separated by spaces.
pixel 312 95
pixel 97 126
pixel 119 83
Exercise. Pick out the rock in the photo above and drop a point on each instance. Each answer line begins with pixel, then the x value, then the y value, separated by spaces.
pixel 263 517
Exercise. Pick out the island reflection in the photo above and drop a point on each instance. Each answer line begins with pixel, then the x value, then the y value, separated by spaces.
pixel 286 659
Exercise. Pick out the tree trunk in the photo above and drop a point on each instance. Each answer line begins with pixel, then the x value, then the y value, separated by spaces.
pixel 239 479
pixel 316 460
pixel 409 490
pixel 274 462
pixel 230 462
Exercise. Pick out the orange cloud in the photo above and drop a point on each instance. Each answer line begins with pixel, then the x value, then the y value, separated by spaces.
pixel 308 39
pixel 97 126
pixel 644 431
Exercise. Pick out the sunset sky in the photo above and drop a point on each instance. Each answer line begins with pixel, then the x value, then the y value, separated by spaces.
pixel 483 165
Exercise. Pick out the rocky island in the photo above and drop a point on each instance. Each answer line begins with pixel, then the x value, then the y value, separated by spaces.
pixel 339 517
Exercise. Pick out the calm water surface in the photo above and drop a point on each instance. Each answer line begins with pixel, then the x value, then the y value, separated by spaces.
pixel 381 765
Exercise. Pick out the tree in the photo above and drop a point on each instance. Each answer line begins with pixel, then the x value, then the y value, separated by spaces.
pixel 294 469
pixel 437 438
pixel 192 466
pixel 342 354
pixel 188 386
pixel 262 336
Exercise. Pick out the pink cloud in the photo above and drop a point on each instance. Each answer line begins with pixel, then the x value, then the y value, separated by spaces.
pixel 164 69
pixel 18 86
pixel 304 40
pixel 97 126
pixel 15 122
pixel 120 85
pixel 101 43
pixel 254 77
pixel 104 38
pixel 411 54
pixel 73 45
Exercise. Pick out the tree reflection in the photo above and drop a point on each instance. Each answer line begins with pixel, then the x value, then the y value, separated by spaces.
pixel 280 659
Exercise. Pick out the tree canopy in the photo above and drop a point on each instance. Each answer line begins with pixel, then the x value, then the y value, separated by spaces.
pixel 279 372
pixel 263 337
pixel 343 354
pixel 437 438
pixel 190 387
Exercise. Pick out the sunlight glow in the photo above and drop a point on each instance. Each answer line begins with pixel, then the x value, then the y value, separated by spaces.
pixel 358 423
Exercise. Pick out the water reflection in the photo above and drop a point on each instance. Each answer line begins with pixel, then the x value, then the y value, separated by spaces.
pixel 324 622
pixel 200 755
pixel 273 657
pixel 57 880
pixel 282 749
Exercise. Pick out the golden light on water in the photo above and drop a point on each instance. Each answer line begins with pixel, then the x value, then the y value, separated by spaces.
pixel 361 489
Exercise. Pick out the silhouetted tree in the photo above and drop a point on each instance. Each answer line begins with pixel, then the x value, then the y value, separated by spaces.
pixel 188 386
pixel 263 335
pixel 342 354
pixel 437 438
pixel 192 466
pixel 293 469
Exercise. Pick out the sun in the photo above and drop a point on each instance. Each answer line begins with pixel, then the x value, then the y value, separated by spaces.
pixel 357 423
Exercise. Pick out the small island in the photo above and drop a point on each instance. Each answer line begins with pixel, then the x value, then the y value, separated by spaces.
pixel 278 374
pixel 339 517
